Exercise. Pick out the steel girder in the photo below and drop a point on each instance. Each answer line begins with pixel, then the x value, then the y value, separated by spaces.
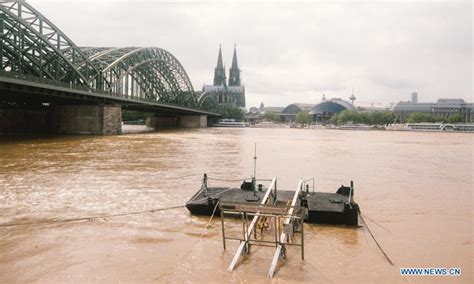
pixel 208 101
pixel 147 73
pixel 30 44
pixel 216 101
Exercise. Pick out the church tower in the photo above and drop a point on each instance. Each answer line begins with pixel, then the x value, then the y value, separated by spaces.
pixel 219 71
pixel 234 71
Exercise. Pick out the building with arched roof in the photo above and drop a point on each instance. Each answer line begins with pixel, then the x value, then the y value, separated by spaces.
pixel 323 111
pixel 290 111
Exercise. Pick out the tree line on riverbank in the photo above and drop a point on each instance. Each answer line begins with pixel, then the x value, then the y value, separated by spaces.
pixel 388 117
pixel 346 116
pixel 428 117
pixel 370 118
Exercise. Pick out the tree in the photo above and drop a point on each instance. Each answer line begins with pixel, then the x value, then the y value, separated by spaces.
pixel 372 118
pixel 234 113
pixel 418 117
pixel 130 115
pixel 334 119
pixel 271 116
pixel 455 118
pixel 304 118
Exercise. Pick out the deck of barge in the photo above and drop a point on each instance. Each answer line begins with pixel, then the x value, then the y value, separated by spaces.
pixel 203 204
pixel 331 208
pixel 323 207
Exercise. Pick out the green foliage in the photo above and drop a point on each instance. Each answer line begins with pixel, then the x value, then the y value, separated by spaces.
pixel 234 113
pixel 334 118
pixel 304 118
pixel 372 118
pixel 418 117
pixel 130 115
pixel 271 116
pixel 455 118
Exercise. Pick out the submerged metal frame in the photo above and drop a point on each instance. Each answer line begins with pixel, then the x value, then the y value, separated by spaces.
pixel 244 211
pixel 286 216
pixel 280 250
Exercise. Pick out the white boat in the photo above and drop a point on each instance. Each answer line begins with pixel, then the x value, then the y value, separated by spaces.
pixel 397 127
pixel 268 124
pixel 460 127
pixel 432 127
pixel 355 126
pixel 230 123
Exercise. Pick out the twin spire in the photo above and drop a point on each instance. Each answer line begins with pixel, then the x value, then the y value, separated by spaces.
pixel 234 71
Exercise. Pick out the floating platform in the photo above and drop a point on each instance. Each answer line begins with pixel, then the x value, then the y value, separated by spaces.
pixel 331 208
pixel 322 207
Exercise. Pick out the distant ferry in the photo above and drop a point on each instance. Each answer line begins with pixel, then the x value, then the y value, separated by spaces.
pixel 355 126
pixel 432 127
pixel 267 124
pixel 229 123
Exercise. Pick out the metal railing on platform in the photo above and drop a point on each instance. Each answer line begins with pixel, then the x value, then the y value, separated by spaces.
pixel 287 219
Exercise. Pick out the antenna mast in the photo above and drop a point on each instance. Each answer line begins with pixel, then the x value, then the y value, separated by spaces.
pixel 255 163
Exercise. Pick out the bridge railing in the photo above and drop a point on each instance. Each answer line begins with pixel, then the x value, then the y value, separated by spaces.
pixel 40 80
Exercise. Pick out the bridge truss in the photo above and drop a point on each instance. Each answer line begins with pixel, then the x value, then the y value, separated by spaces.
pixel 31 45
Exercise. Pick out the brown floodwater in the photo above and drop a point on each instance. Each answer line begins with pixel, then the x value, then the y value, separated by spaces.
pixel 417 186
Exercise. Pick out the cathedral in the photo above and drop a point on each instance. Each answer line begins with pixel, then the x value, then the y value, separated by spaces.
pixel 231 93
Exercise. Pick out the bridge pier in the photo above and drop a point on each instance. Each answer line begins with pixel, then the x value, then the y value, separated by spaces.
pixel 63 119
pixel 193 121
pixel 85 119
pixel 183 121
pixel 159 122
pixel 23 120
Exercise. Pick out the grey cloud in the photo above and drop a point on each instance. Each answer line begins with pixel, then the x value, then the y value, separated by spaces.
pixel 395 83
pixel 295 51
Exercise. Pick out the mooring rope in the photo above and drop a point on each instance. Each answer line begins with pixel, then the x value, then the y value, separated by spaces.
pixel 376 223
pixel 214 195
pixel 87 218
pixel 375 240
pixel 204 231
pixel 95 217
pixel 209 222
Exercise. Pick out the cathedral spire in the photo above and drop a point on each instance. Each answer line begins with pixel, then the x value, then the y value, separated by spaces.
pixel 220 64
pixel 234 71
pixel 235 65
pixel 219 71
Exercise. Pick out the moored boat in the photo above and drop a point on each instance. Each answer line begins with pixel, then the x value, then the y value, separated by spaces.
pixel 230 123
pixel 432 127
pixel 357 126
pixel 337 208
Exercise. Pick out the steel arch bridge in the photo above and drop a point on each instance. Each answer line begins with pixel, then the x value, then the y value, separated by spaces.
pixel 33 47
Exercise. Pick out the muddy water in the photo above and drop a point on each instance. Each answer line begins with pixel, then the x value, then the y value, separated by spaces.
pixel 418 186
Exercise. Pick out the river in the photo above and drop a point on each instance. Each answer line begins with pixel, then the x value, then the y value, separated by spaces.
pixel 418 187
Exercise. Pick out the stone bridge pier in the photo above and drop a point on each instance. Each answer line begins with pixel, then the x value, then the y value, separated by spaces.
pixel 86 119
pixel 182 121
pixel 63 119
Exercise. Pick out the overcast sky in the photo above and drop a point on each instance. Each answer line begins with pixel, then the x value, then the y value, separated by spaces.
pixel 294 52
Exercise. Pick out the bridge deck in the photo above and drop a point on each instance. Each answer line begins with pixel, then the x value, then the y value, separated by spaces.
pixel 18 87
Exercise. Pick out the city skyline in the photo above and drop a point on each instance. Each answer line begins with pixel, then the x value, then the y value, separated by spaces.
pixel 295 52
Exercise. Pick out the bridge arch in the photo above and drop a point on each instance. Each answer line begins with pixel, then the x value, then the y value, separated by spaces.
pixel 32 45
pixel 149 73
pixel 208 101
